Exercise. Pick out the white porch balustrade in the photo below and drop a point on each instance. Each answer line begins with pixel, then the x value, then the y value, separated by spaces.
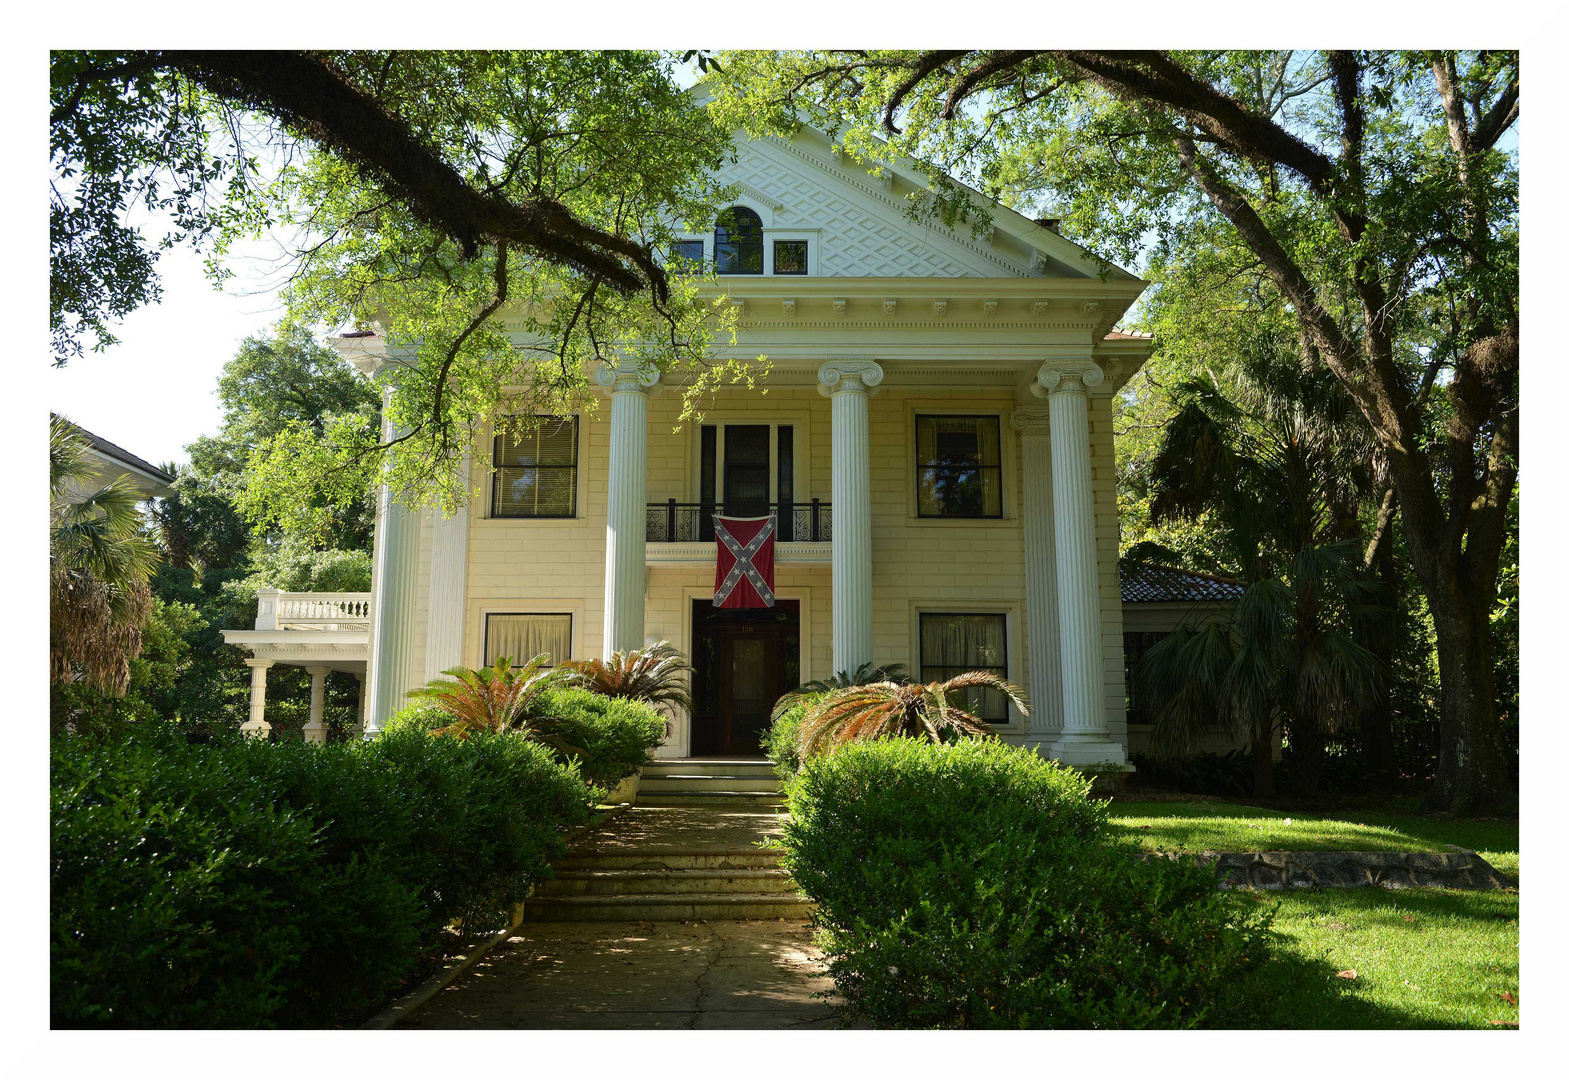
pixel 278 610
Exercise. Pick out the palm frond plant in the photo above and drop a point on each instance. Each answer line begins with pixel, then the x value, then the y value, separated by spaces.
pixel 887 709
pixel 865 674
pixel 99 568
pixel 492 699
pixel 657 674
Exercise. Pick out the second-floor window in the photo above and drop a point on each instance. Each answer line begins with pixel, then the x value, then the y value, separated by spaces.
pixel 686 256
pixel 789 256
pixel 958 466
pixel 536 471
pixel 738 242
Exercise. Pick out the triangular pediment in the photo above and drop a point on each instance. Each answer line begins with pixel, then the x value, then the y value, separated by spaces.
pixel 857 213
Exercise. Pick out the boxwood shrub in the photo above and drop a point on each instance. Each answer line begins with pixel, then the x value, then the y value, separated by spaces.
pixel 617 735
pixel 975 886
pixel 242 883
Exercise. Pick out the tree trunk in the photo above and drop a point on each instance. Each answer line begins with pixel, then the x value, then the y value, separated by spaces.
pixel 1376 734
pixel 1472 774
pixel 1263 759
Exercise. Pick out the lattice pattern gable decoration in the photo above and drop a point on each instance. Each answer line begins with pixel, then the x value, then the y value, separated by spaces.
pixel 859 237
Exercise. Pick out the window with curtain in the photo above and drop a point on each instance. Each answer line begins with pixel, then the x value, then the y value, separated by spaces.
pixel 958 466
pixel 536 471
pixel 524 637
pixel 738 242
pixel 952 644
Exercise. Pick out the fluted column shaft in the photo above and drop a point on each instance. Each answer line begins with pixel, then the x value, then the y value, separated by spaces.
pixel 1040 576
pixel 1084 739
pixel 848 384
pixel 448 585
pixel 257 724
pixel 626 566
pixel 316 729
pixel 394 597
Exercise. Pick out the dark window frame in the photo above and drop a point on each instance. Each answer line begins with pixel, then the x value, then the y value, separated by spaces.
pixel 484 655
pixel 496 467
pixel 806 259
pixel 679 256
pixel 922 666
pixel 921 466
pixel 1141 642
pixel 728 253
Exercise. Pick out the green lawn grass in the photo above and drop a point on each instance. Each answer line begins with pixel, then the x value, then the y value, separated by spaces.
pixel 1424 958
pixel 1222 826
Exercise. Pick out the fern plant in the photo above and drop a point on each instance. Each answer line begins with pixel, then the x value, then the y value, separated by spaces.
pixel 490 699
pixel 656 674
pixel 886 709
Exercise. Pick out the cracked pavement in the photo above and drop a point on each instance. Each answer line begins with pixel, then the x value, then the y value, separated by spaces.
pixel 702 975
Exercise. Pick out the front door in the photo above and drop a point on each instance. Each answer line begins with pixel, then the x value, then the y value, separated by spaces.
pixel 743 661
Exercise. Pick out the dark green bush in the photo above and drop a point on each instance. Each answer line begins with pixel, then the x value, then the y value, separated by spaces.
pixel 974 885
pixel 779 741
pixel 617 736
pixel 240 883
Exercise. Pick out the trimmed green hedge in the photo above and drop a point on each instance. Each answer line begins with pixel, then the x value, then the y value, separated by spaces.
pixel 974 885
pixel 617 735
pixel 244 883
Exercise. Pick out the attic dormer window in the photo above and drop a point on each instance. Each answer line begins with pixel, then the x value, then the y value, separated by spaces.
pixel 738 242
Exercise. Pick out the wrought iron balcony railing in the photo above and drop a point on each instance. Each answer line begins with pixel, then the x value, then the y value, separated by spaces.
pixel 674 522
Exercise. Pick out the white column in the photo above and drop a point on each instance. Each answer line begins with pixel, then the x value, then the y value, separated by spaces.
pixel 848 384
pixel 316 729
pixel 394 596
pixel 626 567
pixel 448 585
pixel 359 703
pixel 257 724
pixel 1084 739
pixel 1040 578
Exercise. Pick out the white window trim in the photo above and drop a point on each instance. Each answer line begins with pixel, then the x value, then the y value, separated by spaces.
pixel 1013 624
pixel 482 610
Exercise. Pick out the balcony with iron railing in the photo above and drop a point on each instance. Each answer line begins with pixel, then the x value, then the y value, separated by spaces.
pixel 672 522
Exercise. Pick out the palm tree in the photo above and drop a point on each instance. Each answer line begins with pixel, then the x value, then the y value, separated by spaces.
pixel 492 699
pixel 99 568
pixel 883 710
pixel 840 680
pixel 1279 461
pixel 656 674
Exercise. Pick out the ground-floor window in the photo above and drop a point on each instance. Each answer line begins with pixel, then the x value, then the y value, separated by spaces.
pixel 524 637
pixel 953 643
pixel 1135 645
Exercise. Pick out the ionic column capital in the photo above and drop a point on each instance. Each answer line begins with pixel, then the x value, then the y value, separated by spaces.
pixel 849 377
pixel 1067 377
pixel 626 375
pixel 1031 420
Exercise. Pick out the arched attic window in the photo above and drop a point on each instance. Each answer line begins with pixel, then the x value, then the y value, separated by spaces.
pixel 738 242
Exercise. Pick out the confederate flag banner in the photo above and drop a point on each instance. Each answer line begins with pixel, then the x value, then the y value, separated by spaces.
pixel 744 568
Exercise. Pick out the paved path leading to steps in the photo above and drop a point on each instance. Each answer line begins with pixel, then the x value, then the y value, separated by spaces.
pixel 704 975
pixel 701 975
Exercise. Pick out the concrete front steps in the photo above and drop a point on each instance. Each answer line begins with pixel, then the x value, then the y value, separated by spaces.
pixel 666 859
pixel 710 782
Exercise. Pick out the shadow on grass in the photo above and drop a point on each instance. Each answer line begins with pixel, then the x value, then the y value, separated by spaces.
pixel 1424 959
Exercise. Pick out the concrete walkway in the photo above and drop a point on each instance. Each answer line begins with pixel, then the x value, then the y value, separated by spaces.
pixel 695 974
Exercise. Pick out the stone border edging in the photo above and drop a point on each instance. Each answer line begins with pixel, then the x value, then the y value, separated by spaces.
pixel 1348 869
pixel 444 978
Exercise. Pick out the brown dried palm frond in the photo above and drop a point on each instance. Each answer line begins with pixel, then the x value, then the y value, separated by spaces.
pixel 99 568
pixel 656 674
pixel 885 709
pixel 492 699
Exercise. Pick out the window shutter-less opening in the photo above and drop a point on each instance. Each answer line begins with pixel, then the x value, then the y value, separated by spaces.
pixel 958 466
pixel 536 471
pixel 952 644
pixel 738 242
pixel 524 637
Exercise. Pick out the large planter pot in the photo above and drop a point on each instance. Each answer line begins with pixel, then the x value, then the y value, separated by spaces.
pixel 626 790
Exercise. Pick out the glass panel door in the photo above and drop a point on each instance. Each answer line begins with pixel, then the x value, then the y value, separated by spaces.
pixel 746 470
